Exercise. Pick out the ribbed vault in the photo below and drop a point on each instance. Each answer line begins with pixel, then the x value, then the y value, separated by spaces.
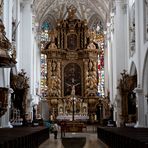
pixel 52 10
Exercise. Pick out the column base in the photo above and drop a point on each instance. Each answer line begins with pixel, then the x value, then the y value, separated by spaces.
pixel 8 126
pixel 138 125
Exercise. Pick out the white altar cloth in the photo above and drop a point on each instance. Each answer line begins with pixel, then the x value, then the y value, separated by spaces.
pixel 76 117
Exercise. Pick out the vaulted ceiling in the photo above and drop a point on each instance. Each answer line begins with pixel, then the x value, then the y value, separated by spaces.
pixel 91 10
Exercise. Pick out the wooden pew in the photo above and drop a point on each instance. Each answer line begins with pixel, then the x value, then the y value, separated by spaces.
pixel 26 137
pixel 124 137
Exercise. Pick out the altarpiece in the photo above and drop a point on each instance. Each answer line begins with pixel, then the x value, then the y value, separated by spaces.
pixel 72 68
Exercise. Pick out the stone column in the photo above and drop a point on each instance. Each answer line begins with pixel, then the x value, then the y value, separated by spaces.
pixel 119 45
pixel 140 107
pixel 26 41
pixel 17 33
pixel 109 38
pixel 26 50
pixel 44 110
pixel 119 49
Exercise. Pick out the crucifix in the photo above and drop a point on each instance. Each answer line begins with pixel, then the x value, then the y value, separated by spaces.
pixel 73 90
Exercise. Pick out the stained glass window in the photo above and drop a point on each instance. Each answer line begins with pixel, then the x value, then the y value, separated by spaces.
pixel 44 31
pixel 44 38
pixel 99 29
pixel 100 42
pixel 43 75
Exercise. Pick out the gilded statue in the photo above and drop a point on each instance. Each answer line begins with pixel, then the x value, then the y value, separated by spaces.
pixel 71 12
pixel 54 66
pixel 53 35
pixel 53 91
pixel 91 78
pixel 91 34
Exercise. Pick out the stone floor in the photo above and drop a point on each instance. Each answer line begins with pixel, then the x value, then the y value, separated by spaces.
pixel 91 140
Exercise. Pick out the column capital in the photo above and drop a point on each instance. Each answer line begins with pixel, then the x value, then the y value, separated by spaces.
pixel 121 4
pixel 25 2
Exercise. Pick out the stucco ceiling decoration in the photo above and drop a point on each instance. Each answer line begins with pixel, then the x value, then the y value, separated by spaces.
pixel 57 9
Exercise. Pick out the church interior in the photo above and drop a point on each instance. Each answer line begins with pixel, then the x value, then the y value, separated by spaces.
pixel 79 63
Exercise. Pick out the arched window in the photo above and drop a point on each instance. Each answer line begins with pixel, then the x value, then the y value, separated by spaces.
pixel 44 38
pixel 100 42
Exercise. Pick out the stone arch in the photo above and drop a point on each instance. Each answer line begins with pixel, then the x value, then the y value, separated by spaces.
pixel 133 69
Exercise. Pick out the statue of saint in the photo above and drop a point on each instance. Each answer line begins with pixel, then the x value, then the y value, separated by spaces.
pixel 71 12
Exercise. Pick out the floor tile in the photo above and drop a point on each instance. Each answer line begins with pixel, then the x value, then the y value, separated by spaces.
pixel 91 140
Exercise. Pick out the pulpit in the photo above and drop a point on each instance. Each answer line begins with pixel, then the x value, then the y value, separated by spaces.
pixel 6 61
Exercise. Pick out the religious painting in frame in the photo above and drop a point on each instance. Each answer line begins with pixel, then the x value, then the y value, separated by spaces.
pixel 72 41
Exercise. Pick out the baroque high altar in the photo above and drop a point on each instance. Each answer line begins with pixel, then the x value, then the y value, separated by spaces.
pixel 72 68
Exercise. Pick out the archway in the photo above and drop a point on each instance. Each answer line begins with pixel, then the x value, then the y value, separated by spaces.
pixel 132 110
